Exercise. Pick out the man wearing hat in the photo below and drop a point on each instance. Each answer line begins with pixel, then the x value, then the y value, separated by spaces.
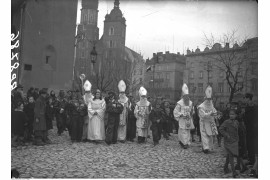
pixel 122 129
pixel 208 127
pixel 17 95
pixel 61 112
pixel 39 126
pixel 183 114
pixel 142 111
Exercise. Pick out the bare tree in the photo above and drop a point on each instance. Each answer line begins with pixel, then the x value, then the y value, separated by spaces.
pixel 229 56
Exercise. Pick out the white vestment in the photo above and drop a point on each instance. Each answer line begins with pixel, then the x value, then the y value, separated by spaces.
pixel 141 112
pixel 185 121
pixel 96 129
pixel 122 128
pixel 207 125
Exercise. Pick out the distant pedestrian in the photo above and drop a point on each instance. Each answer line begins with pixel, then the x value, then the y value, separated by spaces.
pixel 229 129
pixel 114 109
pixel 208 128
pixel 183 114
pixel 142 111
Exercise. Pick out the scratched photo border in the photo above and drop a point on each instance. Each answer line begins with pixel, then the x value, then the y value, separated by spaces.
pixel 15 64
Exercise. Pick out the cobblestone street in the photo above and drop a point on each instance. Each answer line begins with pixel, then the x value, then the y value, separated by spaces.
pixel 62 159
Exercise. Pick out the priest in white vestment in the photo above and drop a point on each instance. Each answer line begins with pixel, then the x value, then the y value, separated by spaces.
pixel 122 128
pixel 183 114
pixel 208 127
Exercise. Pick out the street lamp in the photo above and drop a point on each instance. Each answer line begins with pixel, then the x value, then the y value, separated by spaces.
pixel 93 55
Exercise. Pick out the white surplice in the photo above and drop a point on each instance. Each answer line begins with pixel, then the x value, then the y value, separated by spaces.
pixel 96 129
pixel 122 128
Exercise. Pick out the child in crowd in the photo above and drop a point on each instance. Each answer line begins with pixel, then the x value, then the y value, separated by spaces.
pixel 29 111
pixel 229 130
pixel 18 123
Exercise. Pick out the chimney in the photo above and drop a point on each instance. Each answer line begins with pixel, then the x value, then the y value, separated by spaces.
pixel 227 46
pixel 167 52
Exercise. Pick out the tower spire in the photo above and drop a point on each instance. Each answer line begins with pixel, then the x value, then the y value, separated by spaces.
pixel 116 3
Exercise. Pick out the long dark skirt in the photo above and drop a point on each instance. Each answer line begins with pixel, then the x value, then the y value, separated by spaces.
pixel 76 128
pixel 112 130
pixel 156 131
pixel 131 129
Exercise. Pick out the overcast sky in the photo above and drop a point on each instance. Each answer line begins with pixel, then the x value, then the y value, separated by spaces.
pixel 156 26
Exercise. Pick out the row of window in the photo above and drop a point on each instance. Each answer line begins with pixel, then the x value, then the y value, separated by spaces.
pixel 111 32
pixel 89 17
pixel 220 87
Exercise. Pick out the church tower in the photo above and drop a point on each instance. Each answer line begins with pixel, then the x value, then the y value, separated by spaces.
pixel 88 33
pixel 114 34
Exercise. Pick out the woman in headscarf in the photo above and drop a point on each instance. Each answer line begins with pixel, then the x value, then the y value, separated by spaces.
pixel 183 114
pixel 96 110
pixel 208 127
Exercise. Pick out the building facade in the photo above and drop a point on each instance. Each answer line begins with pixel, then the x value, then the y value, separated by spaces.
pixel 166 75
pixel 47 43
pixel 208 67
pixel 115 61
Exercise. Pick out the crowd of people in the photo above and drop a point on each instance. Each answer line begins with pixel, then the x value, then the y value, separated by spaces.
pixel 95 118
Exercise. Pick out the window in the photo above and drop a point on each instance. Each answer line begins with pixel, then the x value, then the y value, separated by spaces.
pixel 47 59
pixel 192 65
pixel 191 75
pixel 210 74
pixel 200 87
pixel 240 74
pixel 220 87
pixel 221 74
pixel 140 80
pixel 111 31
pixel 254 85
pixel 191 87
pixel 111 44
pixel 201 74
pixel 240 86
pixel 27 67
pixel 83 54
pixel 167 76
pixel 254 68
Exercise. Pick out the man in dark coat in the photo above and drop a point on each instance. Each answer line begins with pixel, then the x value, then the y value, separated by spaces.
pixel 29 110
pixel 114 109
pixel 77 110
pixel 131 125
pixel 156 116
pixel 251 122
pixel 18 94
pixel 60 112
pixel 39 125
